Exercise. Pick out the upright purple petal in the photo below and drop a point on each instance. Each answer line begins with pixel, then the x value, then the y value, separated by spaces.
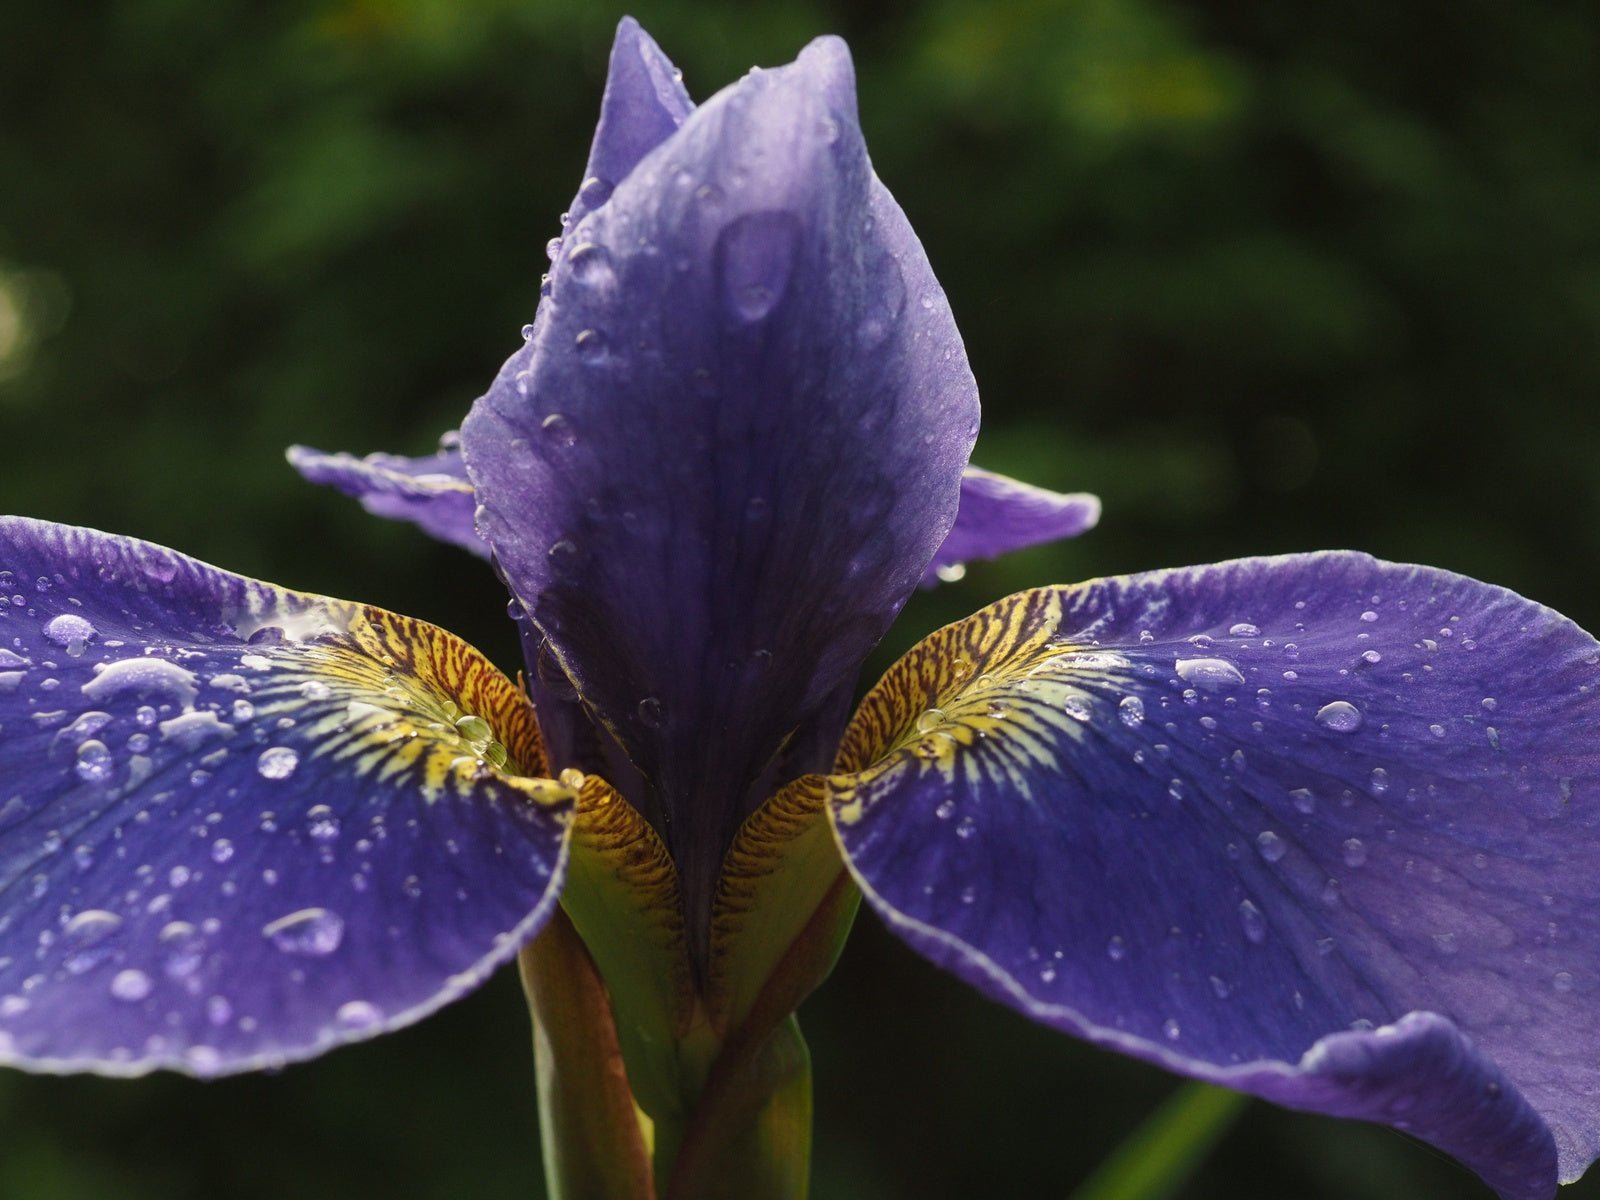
pixel 1241 820
pixel 644 102
pixel 432 492
pixel 732 445
pixel 240 825
pixel 643 105
pixel 999 515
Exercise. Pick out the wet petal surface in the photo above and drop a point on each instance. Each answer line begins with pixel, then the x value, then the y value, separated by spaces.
pixel 732 444
pixel 999 515
pixel 432 492
pixel 239 825
pixel 1212 816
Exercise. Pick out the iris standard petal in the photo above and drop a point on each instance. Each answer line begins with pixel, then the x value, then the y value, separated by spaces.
pixel 432 492
pixel 732 445
pixel 999 515
pixel 643 105
pixel 1211 816
pixel 239 825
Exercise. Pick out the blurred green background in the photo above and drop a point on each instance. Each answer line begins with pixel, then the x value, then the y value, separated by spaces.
pixel 1267 277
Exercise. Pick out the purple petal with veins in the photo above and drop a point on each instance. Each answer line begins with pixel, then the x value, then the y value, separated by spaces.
pixel 240 825
pixel 1214 817
pixel 999 515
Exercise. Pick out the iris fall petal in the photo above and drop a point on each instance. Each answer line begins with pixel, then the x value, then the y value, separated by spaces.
pixel 240 825
pixel 1213 816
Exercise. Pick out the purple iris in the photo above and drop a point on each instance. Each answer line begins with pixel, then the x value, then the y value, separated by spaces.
pixel 1319 828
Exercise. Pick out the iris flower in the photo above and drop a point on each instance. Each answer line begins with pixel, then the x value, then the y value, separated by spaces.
pixel 1319 828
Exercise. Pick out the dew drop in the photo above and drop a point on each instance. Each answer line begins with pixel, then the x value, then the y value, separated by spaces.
pixel 1116 949
pixel 70 631
pixel 1244 629
pixel 1208 672
pixel 1130 711
pixel 221 851
pixel 1355 852
pixel 1562 981
pixel 558 431
pixel 1303 799
pixel 930 719
pixel 359 1014
pixel 322 824
pixel 1271 846
pixel 1255 925
pixel 651 714
pixel 1379 781
pixel 148 677
pixel 131 985
pixel 1171 1030
pixel 591 346
pixel 279 762
pixel 310 931
pixel 755 256
pixel 84 937
pixel 1340 716
pixel 95 764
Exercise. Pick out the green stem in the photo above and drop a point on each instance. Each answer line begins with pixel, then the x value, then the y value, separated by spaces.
pixel 1158 1157
pixel 594 1143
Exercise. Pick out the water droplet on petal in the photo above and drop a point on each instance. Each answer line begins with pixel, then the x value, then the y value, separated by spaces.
pixel 1116 949
pixel 312 931
pixel 651 714
pixel 1355 852
pixel 558 431
pixel 70 631
pixel 591 346
pixel 131 985
pixel 1208 672
pixel 279 762
pixel 1271 846
pixel 322 824
pixel 1255 925
pixel 1340 716
pixel 1244 629
pixel 1130 711
pixel 755 257
pixel 84 937
pixel 359 1014
pixel 95 764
